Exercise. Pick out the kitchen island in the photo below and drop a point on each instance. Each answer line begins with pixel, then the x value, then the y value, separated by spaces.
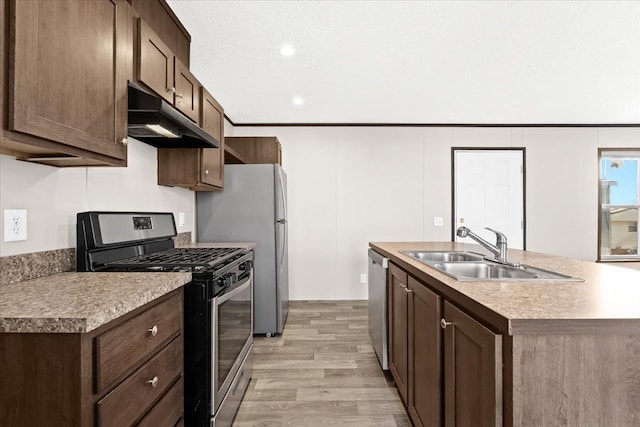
pixel 498 352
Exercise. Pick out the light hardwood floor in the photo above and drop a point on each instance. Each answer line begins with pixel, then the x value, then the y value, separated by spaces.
pixel 321 372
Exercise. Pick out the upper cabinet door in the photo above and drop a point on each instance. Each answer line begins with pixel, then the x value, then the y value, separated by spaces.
pixel 187 94
pixel 67 84
pixel 212 122
pixel 155 63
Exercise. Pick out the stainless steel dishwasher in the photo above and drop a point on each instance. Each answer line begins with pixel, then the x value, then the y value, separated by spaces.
pixel 378 266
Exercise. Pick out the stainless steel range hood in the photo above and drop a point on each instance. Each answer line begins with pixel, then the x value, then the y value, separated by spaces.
pixel 156 122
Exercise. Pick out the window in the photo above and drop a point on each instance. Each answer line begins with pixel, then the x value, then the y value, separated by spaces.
pixel 619 204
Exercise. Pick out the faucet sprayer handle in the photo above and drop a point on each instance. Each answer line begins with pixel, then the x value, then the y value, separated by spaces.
pixel 500 238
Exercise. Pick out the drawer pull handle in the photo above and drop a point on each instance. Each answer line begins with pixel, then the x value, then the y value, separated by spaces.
pixel 444 324
pixel 206 172
pixel 153 381
pixel 153 331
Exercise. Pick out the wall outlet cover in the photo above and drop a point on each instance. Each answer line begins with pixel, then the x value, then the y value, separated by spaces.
pixel 438 221
pixel 363 278
pixel 15 225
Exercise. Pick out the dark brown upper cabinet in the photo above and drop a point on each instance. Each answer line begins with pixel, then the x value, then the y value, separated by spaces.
pixel 253 149
pixel 200 169
pixel 162 72
pixel 212 158
pixel 155 63
pixel 68 64
pixel 187 96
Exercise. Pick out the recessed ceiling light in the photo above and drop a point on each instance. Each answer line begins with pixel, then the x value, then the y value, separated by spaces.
pixel 297 100
pixel 287 50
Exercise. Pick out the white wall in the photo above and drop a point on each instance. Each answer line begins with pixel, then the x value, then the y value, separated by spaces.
pixel 352 185
pixel 53 196
pixel 347 186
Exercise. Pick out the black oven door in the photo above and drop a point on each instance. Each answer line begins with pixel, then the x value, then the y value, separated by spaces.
pixel 232 335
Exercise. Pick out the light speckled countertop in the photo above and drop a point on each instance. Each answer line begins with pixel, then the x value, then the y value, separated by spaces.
pixel 81 302
pixel 607 300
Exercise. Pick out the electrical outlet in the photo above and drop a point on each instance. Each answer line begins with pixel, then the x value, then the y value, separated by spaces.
pixel 437 221
pixel 15 225
pixel 363 278
pixel 181 219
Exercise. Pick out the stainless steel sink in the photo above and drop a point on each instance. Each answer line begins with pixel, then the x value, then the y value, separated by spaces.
pixel 444 256
pixel 482 271
pixel 487 270
pixel 469 266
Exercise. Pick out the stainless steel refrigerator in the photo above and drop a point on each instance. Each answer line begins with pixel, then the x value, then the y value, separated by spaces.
pixel 253 207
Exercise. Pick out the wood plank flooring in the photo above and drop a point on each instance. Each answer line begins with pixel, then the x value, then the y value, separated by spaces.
pixel 321 372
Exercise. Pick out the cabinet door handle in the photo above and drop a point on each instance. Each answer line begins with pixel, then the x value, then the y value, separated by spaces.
pixel 403 287
pixel 179 95
pixel 407 290
pixel 153 381
pixel 153 331
pixel 125 141
pixel 444 323
pixel 171 89
pixel 206 172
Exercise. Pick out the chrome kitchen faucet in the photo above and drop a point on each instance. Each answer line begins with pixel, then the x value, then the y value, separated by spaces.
pixel 499 249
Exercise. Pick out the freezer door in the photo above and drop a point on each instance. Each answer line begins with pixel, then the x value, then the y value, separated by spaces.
pixel 282 250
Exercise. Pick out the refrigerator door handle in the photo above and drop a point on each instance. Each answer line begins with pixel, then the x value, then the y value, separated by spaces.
pixel 284 195
pixel 283 241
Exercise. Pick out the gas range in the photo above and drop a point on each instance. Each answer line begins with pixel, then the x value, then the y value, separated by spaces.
pixel 142 242
pixel 218 302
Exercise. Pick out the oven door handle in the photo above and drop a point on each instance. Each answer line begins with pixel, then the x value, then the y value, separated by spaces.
pixel 236 291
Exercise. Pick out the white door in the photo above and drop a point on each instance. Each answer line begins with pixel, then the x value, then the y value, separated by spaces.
pixel 489 192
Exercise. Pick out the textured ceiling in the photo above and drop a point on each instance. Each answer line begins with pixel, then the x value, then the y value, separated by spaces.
pixel 482 62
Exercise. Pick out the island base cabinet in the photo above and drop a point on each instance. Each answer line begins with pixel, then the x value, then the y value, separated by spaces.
pixel 414 346
pixel 398 328
pixel 472 371
pixel 575 380
pixel 425 373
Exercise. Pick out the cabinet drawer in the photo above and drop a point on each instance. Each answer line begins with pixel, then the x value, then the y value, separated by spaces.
pixel 168 410
pixel 122 347
pixel 133 397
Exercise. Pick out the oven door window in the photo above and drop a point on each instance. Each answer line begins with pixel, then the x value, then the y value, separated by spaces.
pixel 234 329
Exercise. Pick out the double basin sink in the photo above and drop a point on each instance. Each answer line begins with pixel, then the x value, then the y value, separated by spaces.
pixel 468 266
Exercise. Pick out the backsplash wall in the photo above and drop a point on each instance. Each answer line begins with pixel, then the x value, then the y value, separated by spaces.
pixel 53 196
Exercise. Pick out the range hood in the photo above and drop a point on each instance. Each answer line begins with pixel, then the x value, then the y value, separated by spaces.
pixel 156 122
